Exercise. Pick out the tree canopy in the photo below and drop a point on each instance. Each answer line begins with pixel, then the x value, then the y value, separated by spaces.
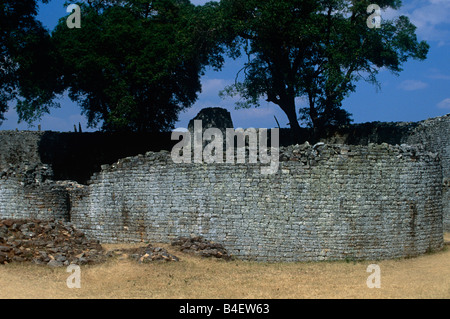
pixel 134 65
pixel 316 50
pixel 27 56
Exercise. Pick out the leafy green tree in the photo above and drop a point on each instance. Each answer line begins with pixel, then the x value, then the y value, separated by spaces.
pixel 313 49
pixel 27 75
pixel 134 65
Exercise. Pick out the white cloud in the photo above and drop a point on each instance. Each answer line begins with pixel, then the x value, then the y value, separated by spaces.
pixel 180 129
pixel 431 18
pixel 440 2
pixel 212 87
pixel 445 104
pixel 199 2
pixel 436 74
pixel 261 117
pixel 412 85
pixel 259 112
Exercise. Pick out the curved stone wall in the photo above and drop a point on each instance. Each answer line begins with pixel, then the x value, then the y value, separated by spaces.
pixel 75 156
pixel 43 201
pixel 434 135
pixel 327 203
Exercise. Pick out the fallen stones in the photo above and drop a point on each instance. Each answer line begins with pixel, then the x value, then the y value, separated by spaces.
pixel 58 243
pixel 202 247
pixel 52 243
pixel 149 254
pixel 145 254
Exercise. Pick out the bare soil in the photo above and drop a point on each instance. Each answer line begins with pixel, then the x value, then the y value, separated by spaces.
pixel 194 277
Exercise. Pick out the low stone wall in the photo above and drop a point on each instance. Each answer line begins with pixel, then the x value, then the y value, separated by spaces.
pixel 76 156
pixel 327 203
pixel 44 201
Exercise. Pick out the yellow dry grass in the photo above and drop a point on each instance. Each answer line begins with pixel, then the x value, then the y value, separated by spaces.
pixel 426 276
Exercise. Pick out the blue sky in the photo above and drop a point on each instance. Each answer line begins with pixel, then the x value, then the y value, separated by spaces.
pixel 421 91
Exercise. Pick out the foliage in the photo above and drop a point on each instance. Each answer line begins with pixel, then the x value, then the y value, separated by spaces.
pixel 26 73
pixel 316 50
pixel 134 65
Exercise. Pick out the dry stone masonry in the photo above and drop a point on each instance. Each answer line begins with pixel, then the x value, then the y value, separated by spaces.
pixel 19 200
pixel 434 135
pixel 326 202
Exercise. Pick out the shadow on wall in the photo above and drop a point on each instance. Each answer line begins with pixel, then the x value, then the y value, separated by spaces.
pixel 356 134
pixel 76 156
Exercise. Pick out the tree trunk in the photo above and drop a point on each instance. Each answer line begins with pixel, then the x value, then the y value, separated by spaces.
pixel 289 108
pixel 314 120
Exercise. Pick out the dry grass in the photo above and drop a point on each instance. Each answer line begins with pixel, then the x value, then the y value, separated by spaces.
pixel 422 277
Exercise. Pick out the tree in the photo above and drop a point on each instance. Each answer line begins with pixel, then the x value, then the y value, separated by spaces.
pixel 27 75
pixel 314 49
pixel 134 65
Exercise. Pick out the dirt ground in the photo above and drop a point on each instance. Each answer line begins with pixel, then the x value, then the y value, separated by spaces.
pixel 426 277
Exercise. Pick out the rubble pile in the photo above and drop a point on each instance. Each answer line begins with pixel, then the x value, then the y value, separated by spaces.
pixel 146 254
pixel 56 243
pixel 202 247
pixel 52 243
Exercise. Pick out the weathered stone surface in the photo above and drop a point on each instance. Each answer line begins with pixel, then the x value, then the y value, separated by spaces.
pixel 27 158
pixel 325 202
pixel 44 201
pixel 334 202
pixel 211 117
pixel 434 135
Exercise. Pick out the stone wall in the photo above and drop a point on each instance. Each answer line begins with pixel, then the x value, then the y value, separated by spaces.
pixel 74 156
pixel 326 203
pixel 44 201
pixel 27 191
pixel 17 148
pixel 434 135
pixel 331 202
